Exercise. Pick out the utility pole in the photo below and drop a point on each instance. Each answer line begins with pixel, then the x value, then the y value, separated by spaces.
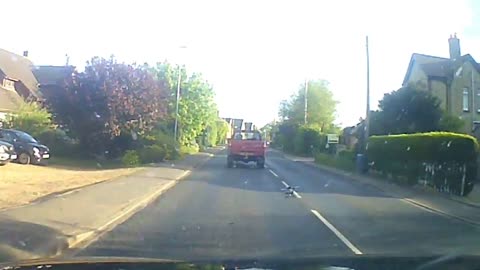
pixel 306 101
pixel 367 115
pixel 179 81
pixel 175 128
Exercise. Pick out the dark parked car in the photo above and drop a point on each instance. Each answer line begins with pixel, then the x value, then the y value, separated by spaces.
pixel 7 153
pixel 27 148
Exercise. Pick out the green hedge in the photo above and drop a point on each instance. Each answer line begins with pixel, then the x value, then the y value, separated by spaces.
pixel 344 160
pixel 153 153
pixel 307 139
pixel 131 158
pixel 441 159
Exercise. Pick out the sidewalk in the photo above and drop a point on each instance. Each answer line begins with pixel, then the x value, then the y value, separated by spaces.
pixel 49 226
pixel 465 209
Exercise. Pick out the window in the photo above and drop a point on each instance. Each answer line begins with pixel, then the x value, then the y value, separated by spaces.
pixel 477 101
pixel 465 99
pixel 8 84
pixel 7 136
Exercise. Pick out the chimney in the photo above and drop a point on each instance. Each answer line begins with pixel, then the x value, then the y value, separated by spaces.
pixel 454 46
pixel 25 53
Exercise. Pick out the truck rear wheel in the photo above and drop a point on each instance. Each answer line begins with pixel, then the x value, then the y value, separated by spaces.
pixel 229 162
pixel 261 164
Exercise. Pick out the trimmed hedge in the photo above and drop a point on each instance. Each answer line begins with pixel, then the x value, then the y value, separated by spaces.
pixel 131 158
pixel 308 139
pixel 441 159
pixel 152 153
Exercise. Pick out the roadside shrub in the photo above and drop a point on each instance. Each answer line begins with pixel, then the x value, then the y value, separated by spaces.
pixel 222 130
pixel 131 158
pixel 59 143
pixel 343 162
pixel 347 155
pixel 189 149
pixel 164 140
pixel 152 154
pixel 285 136
pixel 308 139
pixel 443 160
pixel 211 135
pixel 30 118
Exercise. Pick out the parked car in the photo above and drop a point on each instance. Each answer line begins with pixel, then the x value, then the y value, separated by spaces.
pixel 7 153
pixel 29 150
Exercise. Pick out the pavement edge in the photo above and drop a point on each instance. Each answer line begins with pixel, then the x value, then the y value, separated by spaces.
pixel 77 242
pixel 352 176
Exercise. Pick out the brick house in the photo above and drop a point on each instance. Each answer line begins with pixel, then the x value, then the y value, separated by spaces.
pixel 454 80
pixel 17 82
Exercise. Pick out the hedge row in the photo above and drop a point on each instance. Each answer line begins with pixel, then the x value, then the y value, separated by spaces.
pixel 441 159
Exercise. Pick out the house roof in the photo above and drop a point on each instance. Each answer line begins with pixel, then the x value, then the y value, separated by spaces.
pixel 9 100
pixel 48 75
pixel 18 67
pixel 435 66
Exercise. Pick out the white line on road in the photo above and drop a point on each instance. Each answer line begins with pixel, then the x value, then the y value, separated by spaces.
pixel 337 233
pixel 294 192
pixel 274 174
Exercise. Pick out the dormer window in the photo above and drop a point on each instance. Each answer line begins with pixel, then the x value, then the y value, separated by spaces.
pixel 8 84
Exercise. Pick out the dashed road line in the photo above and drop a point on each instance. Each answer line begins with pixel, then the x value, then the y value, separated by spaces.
pixel 349 244
pixel 274 174
pixel 294 192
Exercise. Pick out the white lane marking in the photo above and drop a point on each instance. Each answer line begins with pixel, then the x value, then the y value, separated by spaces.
pixel 412 203
pixel 274 174
pixel 294 192
pixel 337 233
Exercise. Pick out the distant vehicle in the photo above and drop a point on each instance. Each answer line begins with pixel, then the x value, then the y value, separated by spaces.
pixel 7 153
pixel 246 146
pixel 29 150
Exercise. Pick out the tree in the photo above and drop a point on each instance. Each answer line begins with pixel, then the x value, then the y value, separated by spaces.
pixel 320 110
pixel 31 118
pixel 222 130
pixel 407 110
pixel 108 104
pixel 451 123
pixel 197 109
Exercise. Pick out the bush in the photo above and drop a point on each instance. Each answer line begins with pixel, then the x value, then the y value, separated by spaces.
pixel 211 135
pixel 152 154
pixel 189 149
pixel 347 155
pixel 31 118
pixel 59 143
pixel 441 159
pixel 341 161
pixel 222 130
pixel 284 138
pixel 164 140
pixel 131 158
pixel 308 139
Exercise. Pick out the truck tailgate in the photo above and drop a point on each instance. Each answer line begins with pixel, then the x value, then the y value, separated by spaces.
pixel 245 146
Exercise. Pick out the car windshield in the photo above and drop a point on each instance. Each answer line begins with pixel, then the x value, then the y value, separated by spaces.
pixel 226 130
pixel 25 137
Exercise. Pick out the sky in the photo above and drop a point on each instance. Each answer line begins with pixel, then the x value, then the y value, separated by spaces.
pixel 254 53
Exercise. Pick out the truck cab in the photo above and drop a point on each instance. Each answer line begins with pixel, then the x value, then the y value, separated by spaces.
pixel 246 146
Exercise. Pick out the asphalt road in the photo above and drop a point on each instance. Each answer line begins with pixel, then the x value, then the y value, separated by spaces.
pixel 219 213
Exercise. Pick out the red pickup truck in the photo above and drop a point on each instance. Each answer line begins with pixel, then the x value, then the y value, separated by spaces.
pixel 246 146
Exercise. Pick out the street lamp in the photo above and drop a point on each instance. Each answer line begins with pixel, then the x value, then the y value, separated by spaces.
pixel 177 99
